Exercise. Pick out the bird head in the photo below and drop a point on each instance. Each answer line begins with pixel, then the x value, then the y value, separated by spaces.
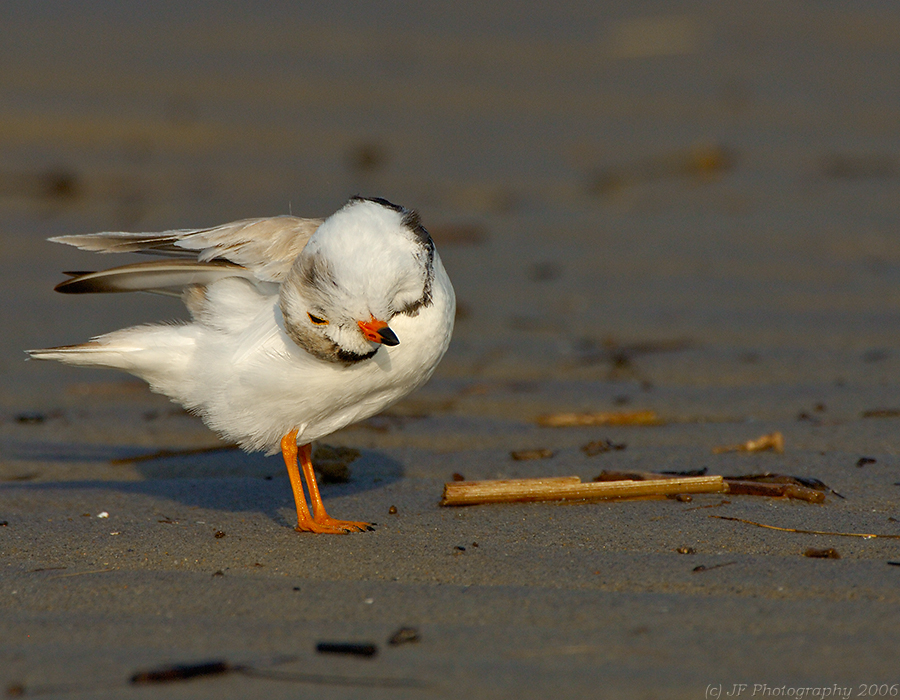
pixel 365 264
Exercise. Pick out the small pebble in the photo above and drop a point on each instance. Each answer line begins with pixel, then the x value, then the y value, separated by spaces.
pixel 680 497
pixel 404 635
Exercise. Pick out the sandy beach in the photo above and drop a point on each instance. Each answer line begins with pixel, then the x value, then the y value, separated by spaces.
pixel 691 210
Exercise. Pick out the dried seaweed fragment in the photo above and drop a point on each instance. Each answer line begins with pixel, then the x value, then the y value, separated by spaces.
pixel 773 478
pixel 596 447
pixel 756 488
pixel 181 672
pixel 541 453
pixel 702 567
pixel 349 648
pixel 765 484
pixel 881 413
pixel 607 475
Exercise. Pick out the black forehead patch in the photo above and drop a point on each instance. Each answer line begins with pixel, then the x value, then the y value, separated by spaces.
pixel 379 200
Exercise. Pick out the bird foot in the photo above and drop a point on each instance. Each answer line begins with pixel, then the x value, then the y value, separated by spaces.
pixel 331 526
pixel 348 525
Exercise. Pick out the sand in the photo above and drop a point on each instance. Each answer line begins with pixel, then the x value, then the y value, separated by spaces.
pixel 690 210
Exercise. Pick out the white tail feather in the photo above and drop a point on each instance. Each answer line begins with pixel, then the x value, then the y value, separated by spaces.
pixel 92 353
pixel 157 353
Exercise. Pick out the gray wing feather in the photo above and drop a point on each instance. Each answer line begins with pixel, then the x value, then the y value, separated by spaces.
pixel 267 246
pixel 160 276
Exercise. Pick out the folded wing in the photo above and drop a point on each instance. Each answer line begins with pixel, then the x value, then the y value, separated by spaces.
pixel 160 276
pixel 266 247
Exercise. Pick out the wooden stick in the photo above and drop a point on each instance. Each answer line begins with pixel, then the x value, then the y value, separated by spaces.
pixel 472 492
pixel 464 493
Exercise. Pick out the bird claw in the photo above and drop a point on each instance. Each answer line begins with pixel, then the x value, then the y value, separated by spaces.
pixel 346 525
pixel 319 529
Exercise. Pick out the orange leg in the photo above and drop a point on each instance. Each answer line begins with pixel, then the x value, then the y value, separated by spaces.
pixel 320 521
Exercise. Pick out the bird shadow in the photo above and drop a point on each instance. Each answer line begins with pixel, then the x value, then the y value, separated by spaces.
pixel 215 479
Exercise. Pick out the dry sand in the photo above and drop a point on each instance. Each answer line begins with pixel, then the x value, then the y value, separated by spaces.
pixel 687 209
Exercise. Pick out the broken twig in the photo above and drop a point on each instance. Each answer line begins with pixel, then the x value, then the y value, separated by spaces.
pixel 772 441
pixel 463 493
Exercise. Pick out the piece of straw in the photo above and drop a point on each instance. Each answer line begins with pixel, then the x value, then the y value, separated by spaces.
pixel 571 420
pixel 772 441
pixel 464 493
pixel 864 535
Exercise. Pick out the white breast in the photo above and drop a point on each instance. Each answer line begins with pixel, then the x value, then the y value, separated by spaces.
pixel 265 386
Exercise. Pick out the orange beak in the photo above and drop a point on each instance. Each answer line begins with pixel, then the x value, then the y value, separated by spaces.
pixel 378 332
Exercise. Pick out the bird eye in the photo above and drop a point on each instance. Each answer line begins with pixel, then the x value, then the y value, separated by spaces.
pixel 316 320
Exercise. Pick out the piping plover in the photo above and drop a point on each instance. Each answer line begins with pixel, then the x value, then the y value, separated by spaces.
pixel 300 326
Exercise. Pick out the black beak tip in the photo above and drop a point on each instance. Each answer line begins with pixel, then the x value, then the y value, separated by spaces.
pixel 388 337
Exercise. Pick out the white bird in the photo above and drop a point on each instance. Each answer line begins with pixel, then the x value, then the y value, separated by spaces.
pixel 300 326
